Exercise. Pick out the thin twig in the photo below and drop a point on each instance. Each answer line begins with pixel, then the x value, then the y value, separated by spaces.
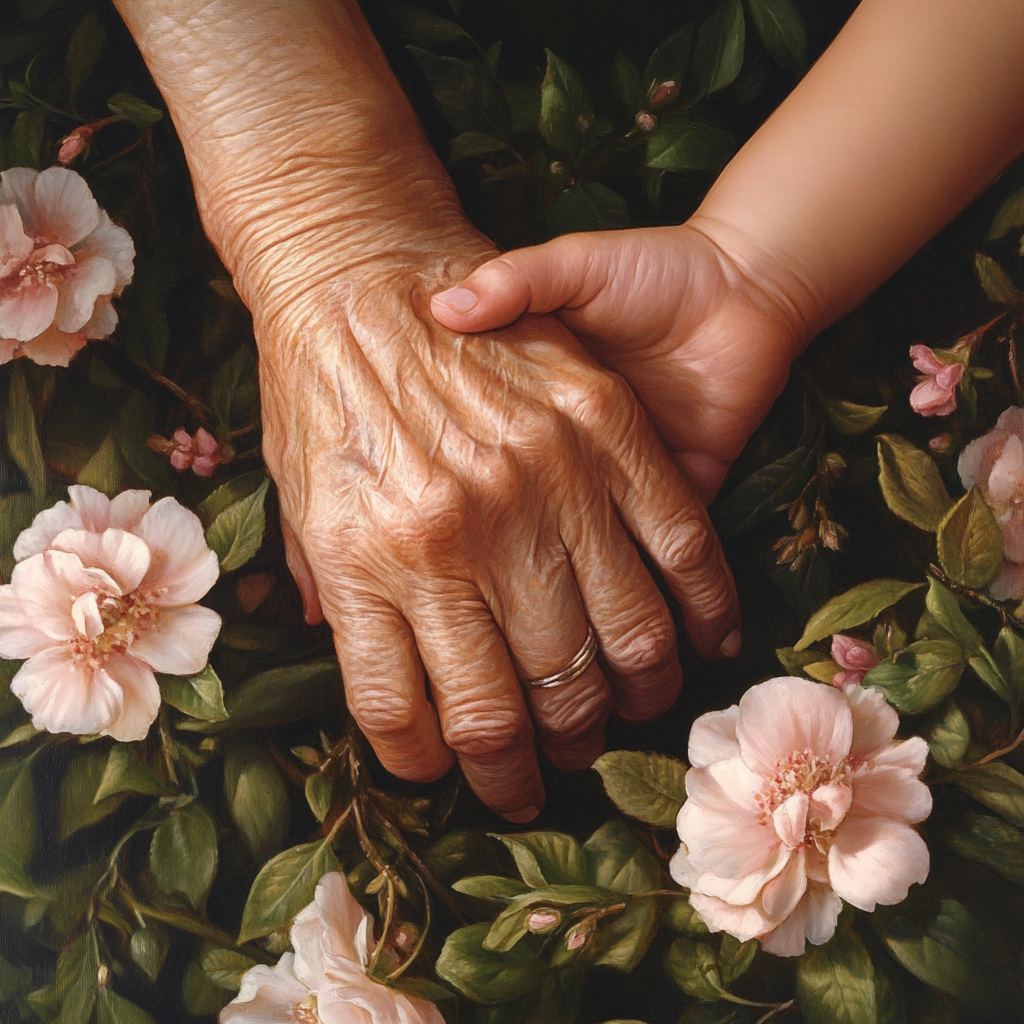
pixel 418 948
pixel 1000 753
pixel 777 1009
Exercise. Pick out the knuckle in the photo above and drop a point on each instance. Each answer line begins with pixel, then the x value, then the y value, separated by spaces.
pixel 383 714
pixel 538 430
pixel 416 530
pixel 488 735
pixel 605 398
pixel 572 715
pixel 688 545
pixel 647 647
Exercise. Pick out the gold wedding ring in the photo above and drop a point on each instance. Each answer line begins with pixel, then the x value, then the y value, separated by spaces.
pixel 580 663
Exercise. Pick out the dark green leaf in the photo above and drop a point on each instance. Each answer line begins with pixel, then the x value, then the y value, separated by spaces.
pixel 22 434
pixel 474 144
pixel 125 772
pixel 25 143
pixel 508 928
pixel 148 948
pixel 131 108
pixel 589 206
pixel 77 790
pixel 996 282
pixel 911 483
pixel 566 115
pixel 237 533
pixel 648 786
pixel 1009 216
pixel 319 792
pixel 719 50
pixel 17 811
pixel 629 87
pixel 257 797
pixel 991 842
pixel 424 28
pixel 970 542
pixel 235 392
pixel 547 858
pixel 858 605
pixel 225 967
pixel 998 786
pixel 136 424
pixel 617 862
pixel 949 737
pixel 227 494
pixel 491 887
pixel 202 998
pixel 84 49
pixel 782 31
pixel 16 513
pixel 849 418
pixel 681 916
pixel 284 886
pixel 796 662
pixel 734 957
pixel 694 968
pixel 670 61
pixel 200 696
pixel 14 880
pixel 623 939
pixel 103 470
pixel 76 981
pixel 756 499
pixel 487 976
pixel 923 675
pixel 114 1009
pixel 183 853
pixel 682 144
pixel 469 97
pixel 492 56
pixel 1009 657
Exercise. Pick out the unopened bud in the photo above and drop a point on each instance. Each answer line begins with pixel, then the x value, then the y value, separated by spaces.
pixel 556 167
pixel 833 536
pixel 545 920
pixel 579 936
pixel 583 124
pixel 940 443
pixel 74 145
pixel 646 121
pixel 799 514
pixel 667 92
pixel 831 464
pixel 407 936
pixel 103 976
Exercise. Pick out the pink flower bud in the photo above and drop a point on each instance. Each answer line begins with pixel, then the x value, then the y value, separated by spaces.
pixel 74 145
pixel 940 443
pixel 935 394
pixel 544 920
pixel 202 453
pixel 667 92
pixel 646 121
pixel 855 657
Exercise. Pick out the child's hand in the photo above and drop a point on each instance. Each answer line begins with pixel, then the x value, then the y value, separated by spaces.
pixel 706 349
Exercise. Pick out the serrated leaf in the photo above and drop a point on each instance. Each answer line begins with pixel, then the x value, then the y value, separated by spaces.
pixel 858 605
pixel 683 144
pixel 995 282
pixel 589 206
pixel 546 858
pixel 488 976
pixel 125 772
pixel 132 109
pixel 680 915
pixel 227 494
pixel 148 948
pixel 1009 216
pixel 719 49
pixel 284 886
pixel 998 786
pixel 670 61
pixel 84 49
pixel 851 419
pixel 782 31
pixel 735 957
pixel 257 797
pixel 618 863
pixel 491 887
pixel 949 737
pixel 183 853
pixel 225 967
pixel 200 696
pixel 754 501
pixel 566 114
pixel 648 786
pixel 77 789
pixel 694 968
pixel 319 792
pixel 474 144
pixel 22 434
pixel 469 97
pixel 114 1009
pixel 989 841
pixel 911 483
pixel 922 675
pixel 970 542
pixel 237 532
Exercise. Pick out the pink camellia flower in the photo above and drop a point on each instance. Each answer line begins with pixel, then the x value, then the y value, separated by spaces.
pixel 799 798
pixel 61 262
pixel 325 981
pixel 201 452
pixel 103 595
pixel 854 656
pixel 995 463
pixel 935 395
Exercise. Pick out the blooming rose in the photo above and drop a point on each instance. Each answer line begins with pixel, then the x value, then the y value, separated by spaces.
pixel 102 596
pixel 61 261
pixel 855 657
pixel 995 464
pixel 935 395
pixel 798 797
pixel 325 980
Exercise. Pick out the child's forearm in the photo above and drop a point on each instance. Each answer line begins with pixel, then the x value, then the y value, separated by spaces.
pixel 915 107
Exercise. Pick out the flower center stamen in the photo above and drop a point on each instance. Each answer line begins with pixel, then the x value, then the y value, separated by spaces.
pixel 800 772
pixel 305 1012
pixel 124 620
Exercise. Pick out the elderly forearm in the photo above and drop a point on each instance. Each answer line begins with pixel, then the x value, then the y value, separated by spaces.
pixel 915 107
pixel 299 139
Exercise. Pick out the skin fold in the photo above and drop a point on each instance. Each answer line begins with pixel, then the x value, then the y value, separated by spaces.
pixel 915 107
pixel 457 508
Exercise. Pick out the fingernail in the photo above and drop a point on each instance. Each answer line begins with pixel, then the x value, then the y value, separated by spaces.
pixel 731 645
pixel 522 816
pixel 462 300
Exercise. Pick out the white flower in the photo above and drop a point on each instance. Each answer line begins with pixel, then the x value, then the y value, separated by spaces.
pixel 61 261
pixel 325 980
pixel 102 596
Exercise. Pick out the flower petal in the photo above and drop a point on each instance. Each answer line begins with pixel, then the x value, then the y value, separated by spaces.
pixel 93 508
pixel 782 894
pixel 713 737
pixel 83 284
pixel 183 568
pixel 127 509
pixel 113 244
pixel 46 525
pixel 788 714
pixel 180 640
pixel 747 888
pixel 876 860
pixel 15 245
pixel 874 722
pixel 909 753
pixel 892 793
pixel 19 638
pixel 976 460
pixel 1009 584
pixel 103 321
pixel 744 923
pixel 1012 420
pixel 925 360
pixel 1005 482
pixel 267 996
pixel 65 695
pixel 8 346
pixel 141 698
pixel 54 347
pixel 814 919
pixel 123 556
pixel 307 936
pixel 65 210
pixel 27 312
pixel 680 868
pixel 853 654
pixel 828 806
pixel 790 820
pixel 343 919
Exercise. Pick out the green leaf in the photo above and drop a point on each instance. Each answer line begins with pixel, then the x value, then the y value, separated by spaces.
pixel 694 968
pixel 947 617
pixel 469 97
pixel 680 915
pixel 424 28
pixel 838 983
pixel 682 144
pixel 183 853
pixel 949 737
pixel 114 1009
pixel 858 605
pixel 508 928
pixel 1009 216
pixel 756 499
pixel 923 675
pixel 225 967
pixel 77 789
pixel 235 391
pixel 84 49
pixel 995 282
pixel 617 862
pixel 17 811
pixel 131 108
pixel 629 87
pixel 227 494
pixel 989 841
pixel 970 542
pixel 202 998
pixel 20 734
pixel 149 947
pixel 136 423
pixel 566 114
pixel 200 696
pixel 849 418
pixel 22 434
pixel 76 981
pixel 998 786
pixel 257 797
pixel 648 786
pixel 546 858
pixel 669 62
pixel 16 513
pixel 782 31
pixel 14 880
pixel 25 143
pixel 237 533
pixel 278 696
pixel 125 772
pixel 589 206
pixel 735 957
pixel 284 886
pixel 103 470
pixel 474 144
pixel 719 50
pixel 1009 658
pixel 488 976
pixel 796 662
pixel 491 887
pixel 911 483
pixel 319 793
pixel 623 939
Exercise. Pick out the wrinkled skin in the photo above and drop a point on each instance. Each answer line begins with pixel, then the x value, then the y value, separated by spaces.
pixel 457 508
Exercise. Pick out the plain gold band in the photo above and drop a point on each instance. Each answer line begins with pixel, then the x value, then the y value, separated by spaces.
pixel 580 663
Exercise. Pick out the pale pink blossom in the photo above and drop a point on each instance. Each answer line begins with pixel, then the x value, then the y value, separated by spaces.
pixel 61 261
pixel 799 797
pixel 325 981
pixel 935 395
pixel 201 453
pixel 855 657
pixel 995 464
pixel 102 596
